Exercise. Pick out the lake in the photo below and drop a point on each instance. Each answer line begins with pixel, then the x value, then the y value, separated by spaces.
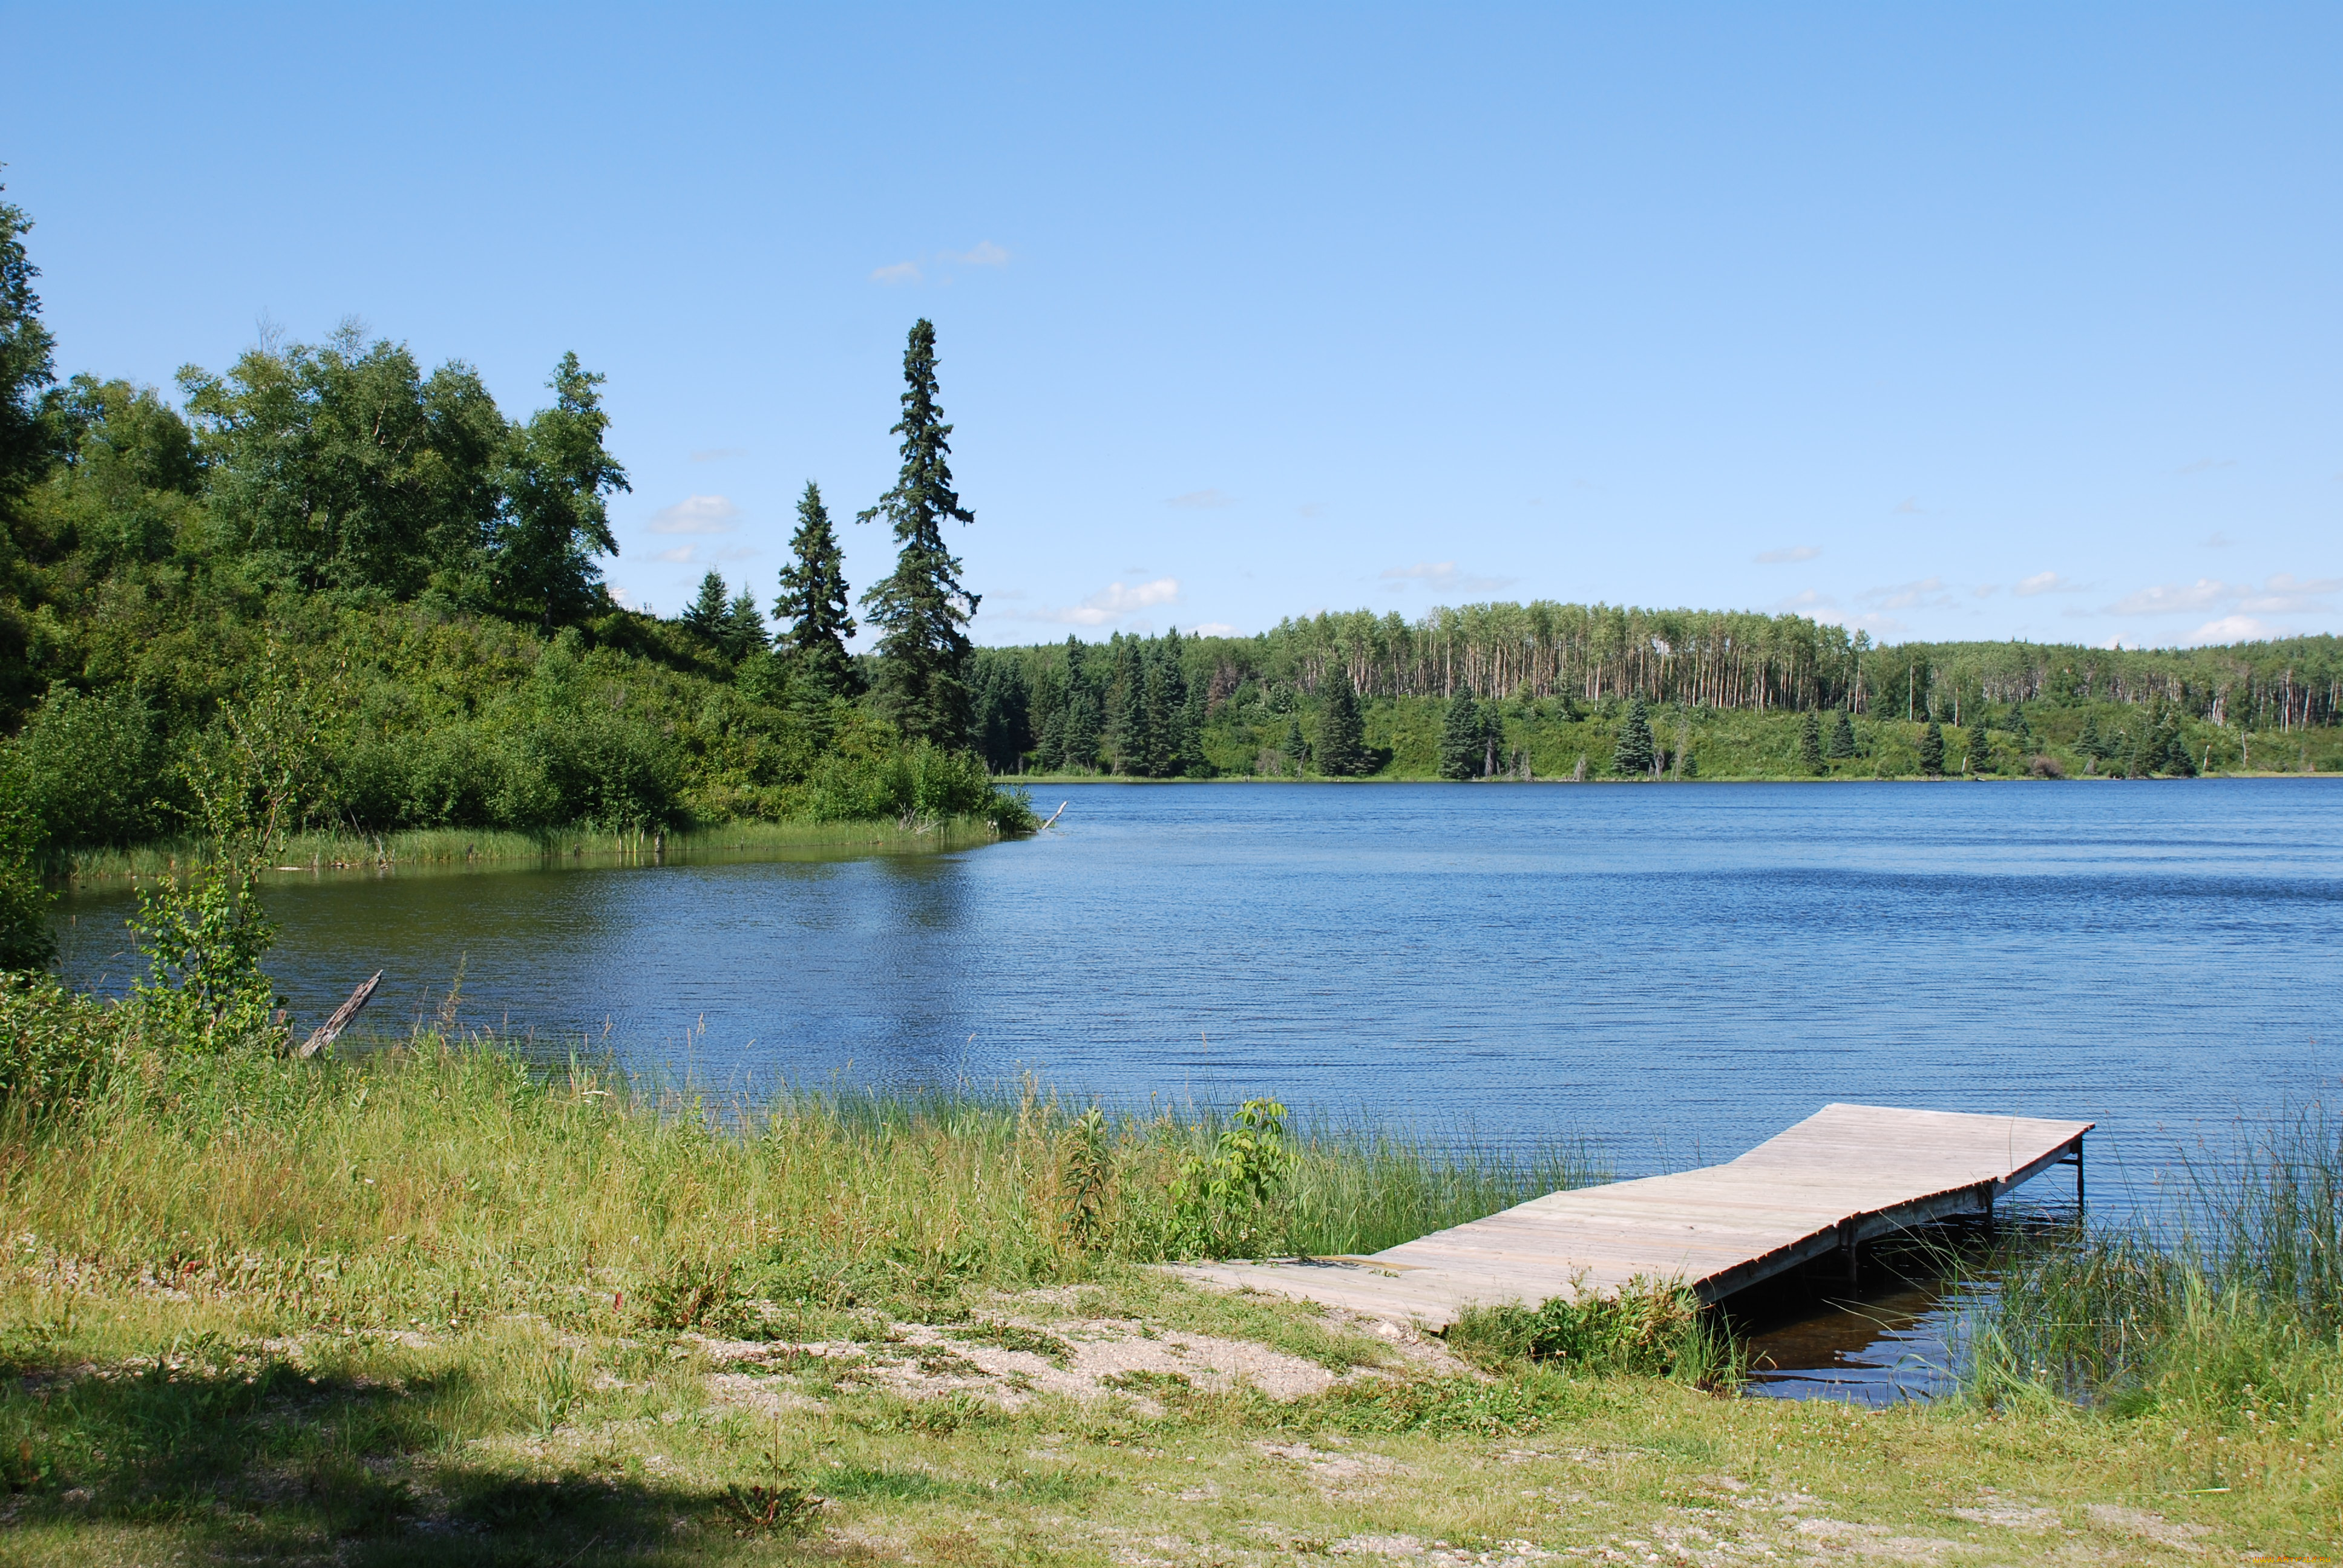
pixel 1667 973
pixel 1670 972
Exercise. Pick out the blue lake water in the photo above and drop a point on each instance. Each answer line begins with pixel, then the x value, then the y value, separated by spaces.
pixel 1670 972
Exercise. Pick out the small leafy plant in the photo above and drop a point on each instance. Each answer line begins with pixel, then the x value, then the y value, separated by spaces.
pixel 1219 1201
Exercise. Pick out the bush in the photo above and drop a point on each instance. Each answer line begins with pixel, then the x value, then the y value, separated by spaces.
pixel 55 1046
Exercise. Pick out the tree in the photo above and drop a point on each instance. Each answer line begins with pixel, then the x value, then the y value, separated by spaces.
pixel 1932 750
pixel 1297 749
pixel 705 617
pixel 1810 742
pixel 2090 743
pixel 26 942
pixel 1841 739
pixel 812 608
pixel 1461 741
pixel 27 363
pixel 1980 746
pixel 921 608
pixel 1631 758
pixel 742 631
pixel 1342 733
pixel 2020 730
pixel 558 478
pixel 1003 710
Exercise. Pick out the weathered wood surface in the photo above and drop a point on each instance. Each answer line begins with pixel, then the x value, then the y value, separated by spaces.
pixel 325 1033
pixel 1846 1174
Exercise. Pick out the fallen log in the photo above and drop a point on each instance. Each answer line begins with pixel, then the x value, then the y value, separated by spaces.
pixel 325 1033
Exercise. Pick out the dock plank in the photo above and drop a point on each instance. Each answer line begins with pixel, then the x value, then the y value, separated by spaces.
pixel 1847 1171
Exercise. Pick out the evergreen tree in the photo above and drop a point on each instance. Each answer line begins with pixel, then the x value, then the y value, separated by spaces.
pixel 1633 756
pixel 27 365
pixel 2020 730
pixel 1003 710
pixel 1841 739
pixel 711 610
pixel 1810 742
pixel 744 631
pixel 1461 739
pixel 1079 742
pixel 921 608
pixel 1297 749
pixel 1342 732
pixel 813 605
pixel 2090 743
pixel 1980 746
pixel 1932 750
pixel 1155 717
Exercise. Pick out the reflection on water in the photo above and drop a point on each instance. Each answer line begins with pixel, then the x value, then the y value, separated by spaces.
pixel 1672 973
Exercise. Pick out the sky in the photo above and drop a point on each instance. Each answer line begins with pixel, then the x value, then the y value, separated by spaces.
pixel 1976 321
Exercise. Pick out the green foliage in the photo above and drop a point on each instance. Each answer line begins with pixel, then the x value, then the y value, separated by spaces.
pixel 1841 745
pixel 1218 1200
pixel 1980 746
pixel 27 365
pixel 1461 732
pixel 812 606
pixel 1341 734
pixel 1932 750
pixel 56 1047
pixel 921 608
pixel 1647 1328
pixel 1810 742
pixel 27 941
pixel 1633 755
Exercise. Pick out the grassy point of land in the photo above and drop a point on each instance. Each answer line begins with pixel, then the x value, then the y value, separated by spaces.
pixel 428 1306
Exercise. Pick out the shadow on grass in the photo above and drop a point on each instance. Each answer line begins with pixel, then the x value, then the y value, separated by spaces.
pixel 209 1454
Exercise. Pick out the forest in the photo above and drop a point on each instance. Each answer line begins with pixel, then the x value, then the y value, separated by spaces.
pixel 1545 690
pixel 402 584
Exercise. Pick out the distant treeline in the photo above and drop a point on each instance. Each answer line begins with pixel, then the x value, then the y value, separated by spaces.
pixel 1163 707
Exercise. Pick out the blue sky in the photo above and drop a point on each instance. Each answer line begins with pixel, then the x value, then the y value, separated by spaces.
pixel 1974 321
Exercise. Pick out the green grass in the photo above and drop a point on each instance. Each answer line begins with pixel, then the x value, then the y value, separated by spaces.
pixel 429 1305
pixel 456 849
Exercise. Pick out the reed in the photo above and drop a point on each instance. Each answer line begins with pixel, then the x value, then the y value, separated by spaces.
pixel 2226 1308
pixel 452 849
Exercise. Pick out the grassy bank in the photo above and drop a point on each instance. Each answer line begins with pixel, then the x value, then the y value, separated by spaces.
pixel 429 1306
pixel 454 849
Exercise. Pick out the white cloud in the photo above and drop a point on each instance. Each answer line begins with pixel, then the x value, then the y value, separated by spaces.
pixel 898 272
pixel 1804 599
pixel 2283 593
pixel 1113 602
pixel 697 515
pixel 2235 628
pixel 1986 590
pixel 1903 596
pixel 678 557
pixel 984 252
pixel 1197 500
pixel 1870 621
pixel 1793 553
pixel 1441 575
pixel 2202 595
pixel 1213 628
pixel 2045 582
pixel 718 454
pixel 1910 506
pixel 2219 541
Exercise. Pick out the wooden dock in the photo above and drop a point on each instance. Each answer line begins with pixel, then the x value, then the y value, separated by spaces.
pixel 1838 1178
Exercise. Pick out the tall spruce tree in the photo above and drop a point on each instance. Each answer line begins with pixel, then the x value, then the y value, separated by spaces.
pixel 1980 753
pixel 27 365
pixel 1842 738
pixel 707 614
pixel 812 606
pixel 1297 749
pixel 1460 740
pixel 1810 742
pixel 921 608
pixel 744 631
pixel 1342 732
pixel 1631 758
pixel 1932 750
pixel 2090 743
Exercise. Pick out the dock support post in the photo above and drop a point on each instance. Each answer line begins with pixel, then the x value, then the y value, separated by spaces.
pixel 2078 1174
pixel 1850 1253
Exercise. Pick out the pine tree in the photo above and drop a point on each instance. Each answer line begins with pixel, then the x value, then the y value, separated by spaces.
pixel 2019 730
pixel 1980 746
pixel 705 617
pixel 1080 739
pixel 813 605
pixel 1932 750
pixel 1460 737
pixel 2090 743
pixel 1342 733
pixel 1841 739
pixel 1631 758
pixel 1810 742
pixel 921 608
pixel 1154 744
pixel 1297 749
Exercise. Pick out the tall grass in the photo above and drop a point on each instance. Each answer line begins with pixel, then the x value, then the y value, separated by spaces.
pixel 2228 1307
pixel 446 849
pixel 443 1180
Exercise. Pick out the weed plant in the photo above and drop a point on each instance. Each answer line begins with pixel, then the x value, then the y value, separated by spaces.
pixel 2224 1312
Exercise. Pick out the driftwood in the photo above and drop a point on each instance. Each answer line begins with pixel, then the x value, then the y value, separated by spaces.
pixel 1059 813
pixel 325 1033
